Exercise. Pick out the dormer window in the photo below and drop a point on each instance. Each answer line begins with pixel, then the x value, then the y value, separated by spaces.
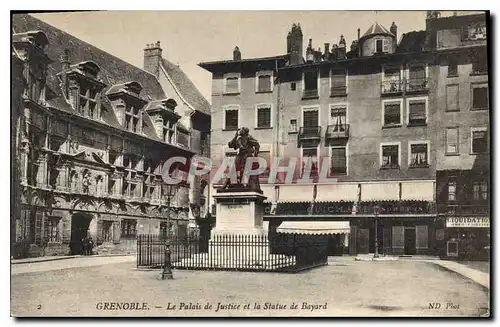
pixel 132 118
pixel 382 46
pixel 82 86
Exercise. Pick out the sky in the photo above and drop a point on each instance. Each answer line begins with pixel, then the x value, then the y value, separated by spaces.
pixel 190 37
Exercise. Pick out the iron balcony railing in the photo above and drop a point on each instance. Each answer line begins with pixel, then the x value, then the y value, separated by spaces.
pixel 404 85
pixel 392 86
pixel 310 94
pixel 469 209
pixel 310 132
pixel 338 131
pixel 416 85
pixel 338 91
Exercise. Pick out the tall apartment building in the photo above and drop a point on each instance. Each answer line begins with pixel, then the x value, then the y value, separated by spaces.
pixel 463 158
pixel 371 113
pixel 91 136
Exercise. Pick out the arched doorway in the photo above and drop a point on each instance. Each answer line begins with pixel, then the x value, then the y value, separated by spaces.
pixel 80 223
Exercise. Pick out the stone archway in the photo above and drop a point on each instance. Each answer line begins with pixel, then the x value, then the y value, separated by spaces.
pixel 80 224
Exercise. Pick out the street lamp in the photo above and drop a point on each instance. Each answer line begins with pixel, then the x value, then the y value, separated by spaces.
pixel 375 212
pixel 167 263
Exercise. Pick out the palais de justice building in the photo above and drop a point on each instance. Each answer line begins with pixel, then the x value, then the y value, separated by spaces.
pixel 90 135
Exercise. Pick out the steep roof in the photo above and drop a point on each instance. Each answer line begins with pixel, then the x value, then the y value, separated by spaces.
pixel 186 87
pixel 412 42
pixel 113 70
pixel 376 28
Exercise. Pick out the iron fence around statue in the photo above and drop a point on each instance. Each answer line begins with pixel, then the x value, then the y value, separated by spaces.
pixel 279 253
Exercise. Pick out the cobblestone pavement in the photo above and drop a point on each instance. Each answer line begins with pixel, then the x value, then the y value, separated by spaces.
pixel 355 288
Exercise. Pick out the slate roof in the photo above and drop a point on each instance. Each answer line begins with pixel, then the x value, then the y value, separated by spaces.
pixel 376 28
pixel 412 42
pixel 113 70
pixel 186 87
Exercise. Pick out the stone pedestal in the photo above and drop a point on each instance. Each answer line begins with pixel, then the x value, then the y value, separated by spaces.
pixel 239 213
pixel 239 240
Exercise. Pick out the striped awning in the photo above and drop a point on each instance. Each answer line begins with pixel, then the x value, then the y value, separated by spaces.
pixel 268 191
pixel 314 227
pixel 295 193
pixel 380 191
pixel 337 192
pixel 422 191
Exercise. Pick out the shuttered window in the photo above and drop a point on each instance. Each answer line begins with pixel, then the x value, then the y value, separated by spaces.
pixel 452 97
pixel 310 118
pixel 232 85
pixel 339 161
pixel 264 83
pixel 338 79
pixel 392 113
pixel 480 97
pixel 231 117
pixel 417 113
pixel 263 116
pixel 479 142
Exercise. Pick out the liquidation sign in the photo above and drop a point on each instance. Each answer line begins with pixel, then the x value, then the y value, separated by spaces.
pixel 477 222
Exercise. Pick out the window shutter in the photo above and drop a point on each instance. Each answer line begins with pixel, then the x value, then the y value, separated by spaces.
pixel 392 114
pixel 338 160
pixel 311 118
pixel 264 82
pixel 264 117
pixel 232 85
pixel 417 110
pixel 452 97
pixel 338 79
pixel 386 45
pixel 417 73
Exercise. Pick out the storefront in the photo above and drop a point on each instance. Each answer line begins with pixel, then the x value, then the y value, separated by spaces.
pixel 468 237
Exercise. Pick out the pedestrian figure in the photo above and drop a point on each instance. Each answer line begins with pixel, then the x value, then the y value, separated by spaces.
pixel 90 245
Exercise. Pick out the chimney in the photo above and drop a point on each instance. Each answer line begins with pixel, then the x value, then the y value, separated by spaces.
pixel 359 44
pixel 342 48
pixel 327 51
pixel 309 52
pixel 152 58
pixel 236 53
pixel 394 30
pixel 294 45
pixel 317 55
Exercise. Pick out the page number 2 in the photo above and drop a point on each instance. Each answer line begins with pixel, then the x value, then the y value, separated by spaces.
pixel 39 307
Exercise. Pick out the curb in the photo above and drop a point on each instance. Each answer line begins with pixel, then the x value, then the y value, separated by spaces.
pixel 56 258
pixel 487 287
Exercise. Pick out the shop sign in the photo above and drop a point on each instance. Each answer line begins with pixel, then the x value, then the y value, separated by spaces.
pixel 473 222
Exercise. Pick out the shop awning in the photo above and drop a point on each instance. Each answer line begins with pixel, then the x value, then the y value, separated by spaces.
pixel 337 192
pixel 314 227
pixel 295 193
pixel 418 190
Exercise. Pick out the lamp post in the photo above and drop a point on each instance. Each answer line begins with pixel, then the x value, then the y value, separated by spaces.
pixel 167 263
pixel 375 212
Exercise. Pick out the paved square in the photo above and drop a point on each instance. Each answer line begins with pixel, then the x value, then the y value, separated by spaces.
pixel 347 288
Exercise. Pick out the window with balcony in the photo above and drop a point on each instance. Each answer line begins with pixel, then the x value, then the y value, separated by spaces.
pixel 310 84
pixel 231 118
pixel 479 140
pixel 480 97
pixel 417 112
pixel 338 127
pixel 338 160
pixel 264 82
pixel 310 124
pixel 452 189
pixel 232 85
pixel 391 82
pixel 452 140
pixel 338 82
pixel 417 79
pixel 263 116
pixel 480 190
pixel 390 156
pixel 392 113
pixel 452 98
pixel 129 228
pixel 419 155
